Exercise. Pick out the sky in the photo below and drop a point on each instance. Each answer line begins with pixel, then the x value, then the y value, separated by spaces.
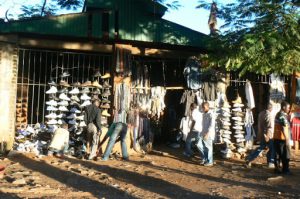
pixel 187 15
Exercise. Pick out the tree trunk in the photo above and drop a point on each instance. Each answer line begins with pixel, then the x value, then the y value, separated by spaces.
pixel 43 7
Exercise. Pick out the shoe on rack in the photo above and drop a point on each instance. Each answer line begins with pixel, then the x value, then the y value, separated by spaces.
pixel 96 84
pixel 106 85
pixel 96 92
pixel 52 122
pixel 97 74
pixel 60 122
pixel 239 136
pixel 52 90
pixel 226 132
pixel 240 140
pixel 72 116
pixel 237 127
pixel 76 84
pixel 51 108
pixel 81 117
pixel 225 127
pixel 64 74
pixel 238 100
pixel 72 122
pixel 52 83
pixel 226 105
pixel 226 114
pixel 64 83
pixel 53 96
pixel 106 93
pixel 64 97
pixel 75 98
pixel 85 97
pixel 74 91
pixel 86 84
pixel 241 150
pixel 226 136
pixel 82 124
pixel 85 103
pixel 85 90
pixel 105 113
pixel 75 110
pixel 105 106
pixel 63 109
pixel 95 97
pixel 105 76
pixel 63 90
pixel 237 110
pixel 105 101
pixel 238 105
pixel 51 116
pixel 52 103
pixel 61 115
pixel 237 119
pixel 74 103
pixel 63 103
pixel 225 123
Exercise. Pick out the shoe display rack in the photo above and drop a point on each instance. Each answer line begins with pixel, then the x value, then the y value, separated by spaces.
pixel 67 103
pixel 21 112
pixel 238 117
pixel 225 130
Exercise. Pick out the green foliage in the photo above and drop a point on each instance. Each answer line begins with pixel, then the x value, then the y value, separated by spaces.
pixel 258 36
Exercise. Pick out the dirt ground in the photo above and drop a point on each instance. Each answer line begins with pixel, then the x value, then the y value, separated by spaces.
pixel 164 173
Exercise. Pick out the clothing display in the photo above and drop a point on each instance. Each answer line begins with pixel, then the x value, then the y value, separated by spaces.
pixel 250 134
pixel 295 125
pixel 192 73
pixel 188 97
pixel 249 95
pixel 123 60
pixel 277 90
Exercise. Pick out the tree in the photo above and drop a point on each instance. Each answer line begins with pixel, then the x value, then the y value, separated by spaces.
pixel 258 36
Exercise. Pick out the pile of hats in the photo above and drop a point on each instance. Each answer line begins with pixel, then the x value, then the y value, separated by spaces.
pixel 238 126
pixel 225 130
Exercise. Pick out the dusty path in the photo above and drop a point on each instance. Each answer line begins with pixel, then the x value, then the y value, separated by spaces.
pixel 157 175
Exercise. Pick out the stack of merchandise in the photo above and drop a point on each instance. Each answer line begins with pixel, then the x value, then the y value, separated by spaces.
pixel 225 132
pixel 238 126
pixel 21 112
pixel 105 102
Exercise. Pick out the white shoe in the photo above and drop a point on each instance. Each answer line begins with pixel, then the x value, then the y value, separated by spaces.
pixel 237 109
pixel 226 132
pixel 238 123
pixel 226 123
pixel 82 124
pixel 238 127
pixel 63 103
pixel 64 97
pixel 241 150
pixel 52 90
pixel 85 103
pixel 226 136
pixel 51 116
pixel 63 109
pixel 238 105
pixel 72 122
pixel 59 122
pixel 52 103
pixel 85 90
pixel 75 110
pixel 74 91
pixel 237 119
pixel 75 98
pixel 239 132
pixel 51 108
pixel 85 97
pixel 240 140
pixel 81 117
pixel 72 116
pixel 227 140
pixel 60 115
pixel 226 114
pixel 50 122
pixel 239 136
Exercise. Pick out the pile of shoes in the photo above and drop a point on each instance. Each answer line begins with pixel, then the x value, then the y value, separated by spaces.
pixel 225 131
pixel 32 139
pixel 21 112
pixel 238 125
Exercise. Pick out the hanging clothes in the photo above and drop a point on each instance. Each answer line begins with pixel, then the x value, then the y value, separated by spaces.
pixel 188 97
pixel 277 90
pixel 295 129
pixel 249 95
pixel 192 74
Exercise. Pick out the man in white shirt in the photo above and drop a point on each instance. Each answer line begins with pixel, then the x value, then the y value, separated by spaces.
pixel 196 128
pixel 60 141
pixel 205 143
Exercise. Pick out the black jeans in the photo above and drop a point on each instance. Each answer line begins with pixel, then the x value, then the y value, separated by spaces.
pixel 282 154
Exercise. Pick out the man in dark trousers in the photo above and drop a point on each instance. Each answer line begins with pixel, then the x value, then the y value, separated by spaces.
pixel 265 136
pixel 92 118
pixel 282 139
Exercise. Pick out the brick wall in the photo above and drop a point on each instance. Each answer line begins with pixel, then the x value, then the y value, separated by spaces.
pixel 8 91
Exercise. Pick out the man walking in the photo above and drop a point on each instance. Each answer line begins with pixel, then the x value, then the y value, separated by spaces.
pixel 195 129
pixel 207 136
pixel 117 131
pixel 282 138
pixel 265 136
pixel 92 118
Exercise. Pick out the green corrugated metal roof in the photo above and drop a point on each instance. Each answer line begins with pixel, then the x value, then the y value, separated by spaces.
pixel 135 23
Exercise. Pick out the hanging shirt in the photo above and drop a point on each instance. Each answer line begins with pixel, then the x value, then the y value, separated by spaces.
pixel 249 95
pixel 192 74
